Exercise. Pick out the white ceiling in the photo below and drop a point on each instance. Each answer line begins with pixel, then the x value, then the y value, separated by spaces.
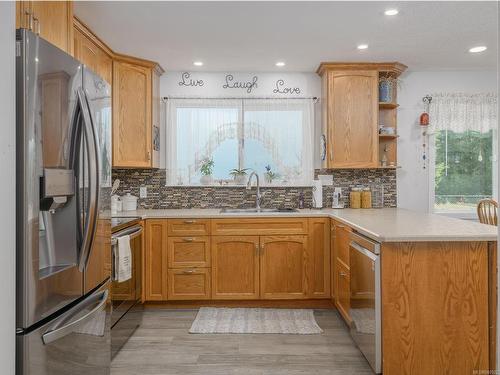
pixel 252 36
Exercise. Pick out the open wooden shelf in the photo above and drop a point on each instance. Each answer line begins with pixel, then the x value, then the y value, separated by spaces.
pixel 384 105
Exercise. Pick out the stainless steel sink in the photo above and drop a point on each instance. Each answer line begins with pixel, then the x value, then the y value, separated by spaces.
pixel 255 210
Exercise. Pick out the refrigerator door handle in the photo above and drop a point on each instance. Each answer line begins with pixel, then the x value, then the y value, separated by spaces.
pixel 94 162
pixel 56 331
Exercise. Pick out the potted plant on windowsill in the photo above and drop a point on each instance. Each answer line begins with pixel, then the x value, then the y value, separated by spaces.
pixel 239 175
pixel 269 175
pixel 206 169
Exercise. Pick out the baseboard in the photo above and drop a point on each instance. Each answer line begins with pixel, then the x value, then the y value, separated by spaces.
pixel 302 303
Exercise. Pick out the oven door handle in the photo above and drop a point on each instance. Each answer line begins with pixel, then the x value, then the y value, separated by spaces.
pixel 132 232
pixel 363 251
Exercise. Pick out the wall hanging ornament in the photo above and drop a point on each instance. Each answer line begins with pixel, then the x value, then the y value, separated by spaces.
pixel 424 122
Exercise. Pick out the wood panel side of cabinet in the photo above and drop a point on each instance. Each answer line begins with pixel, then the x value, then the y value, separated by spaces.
pixel 318 266
pixel 435 308
pixel 93 56
pixel 156 265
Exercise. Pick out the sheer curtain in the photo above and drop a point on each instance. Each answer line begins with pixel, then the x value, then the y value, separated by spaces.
pixel 237 134
pixel 462 112
pixel 463 150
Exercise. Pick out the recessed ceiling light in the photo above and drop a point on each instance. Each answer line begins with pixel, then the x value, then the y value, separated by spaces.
pixel 280 63
pixel 391 12
pixel 198 63
pixel 478 49
pixel 362 46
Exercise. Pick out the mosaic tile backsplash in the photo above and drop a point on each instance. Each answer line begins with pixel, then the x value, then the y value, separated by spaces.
pixel 163 197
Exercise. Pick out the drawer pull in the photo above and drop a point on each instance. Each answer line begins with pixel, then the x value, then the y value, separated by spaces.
pixel 188 239
pixel 189 221
pixel 188 272
pixel 343 274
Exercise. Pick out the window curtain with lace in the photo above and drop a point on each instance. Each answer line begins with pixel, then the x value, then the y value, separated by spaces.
pixel 239 134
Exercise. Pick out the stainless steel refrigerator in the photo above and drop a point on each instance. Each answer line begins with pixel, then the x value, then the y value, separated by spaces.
pixel 63 190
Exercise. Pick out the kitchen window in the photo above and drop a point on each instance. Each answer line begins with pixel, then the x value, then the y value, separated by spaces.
pixel 463 152
pixel 265 135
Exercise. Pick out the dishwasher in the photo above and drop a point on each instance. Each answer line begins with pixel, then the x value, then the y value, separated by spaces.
pixel 365 298
pixel 127 310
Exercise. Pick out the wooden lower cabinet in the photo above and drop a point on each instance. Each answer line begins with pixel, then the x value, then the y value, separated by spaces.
pixel 318 269
pixel 156 260
pixel 343 283
pixel 189 284
pixel 435 308
pixel 283 267
pixel 235 267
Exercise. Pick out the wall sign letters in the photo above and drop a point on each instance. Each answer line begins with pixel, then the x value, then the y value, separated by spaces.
pixel 186 80
pixel 280 89
pixel 231 84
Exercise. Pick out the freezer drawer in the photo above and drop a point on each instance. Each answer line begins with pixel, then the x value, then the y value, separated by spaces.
pixel 77 342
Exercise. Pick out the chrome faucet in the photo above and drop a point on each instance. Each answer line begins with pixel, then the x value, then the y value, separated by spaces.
pixel 258 196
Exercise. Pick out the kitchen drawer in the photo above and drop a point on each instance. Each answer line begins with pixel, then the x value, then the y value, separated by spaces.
pixel 188 252
pixel 279 226
pixel 189 284
pixel 188 227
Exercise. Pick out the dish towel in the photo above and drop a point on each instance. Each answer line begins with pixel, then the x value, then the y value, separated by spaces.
pixel 123 259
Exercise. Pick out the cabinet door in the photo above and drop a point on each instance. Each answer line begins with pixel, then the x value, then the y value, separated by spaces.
pixel 131 115
pixel 156 260
pixel 343 282
pixel 283 267
pixel 235 267
pixel 189 284
pixel 93 56
pixel 318 270
pixel 54 22
pixel 342 243
pixel 352 119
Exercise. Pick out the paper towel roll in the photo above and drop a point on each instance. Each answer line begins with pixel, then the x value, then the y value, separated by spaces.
pixel 317 194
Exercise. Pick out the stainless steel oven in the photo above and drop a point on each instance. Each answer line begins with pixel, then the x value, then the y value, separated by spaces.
pixel 127 309
pixel 365 298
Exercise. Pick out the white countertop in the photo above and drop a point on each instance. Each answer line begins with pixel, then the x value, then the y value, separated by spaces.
pixel 382 225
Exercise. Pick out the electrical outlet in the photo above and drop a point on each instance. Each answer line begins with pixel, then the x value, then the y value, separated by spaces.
pixel 143 192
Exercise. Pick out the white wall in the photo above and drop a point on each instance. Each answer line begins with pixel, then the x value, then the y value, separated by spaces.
pixel 412 179
pixel 7 187
pixel 309 85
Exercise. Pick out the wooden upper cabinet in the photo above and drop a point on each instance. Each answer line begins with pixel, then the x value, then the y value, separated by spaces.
pixel 283 267
pixel 318 270
pixel 133 114
pixel 93 56
pixel 352 140
pixel 351 115
pixel 52 20
pixel 235 267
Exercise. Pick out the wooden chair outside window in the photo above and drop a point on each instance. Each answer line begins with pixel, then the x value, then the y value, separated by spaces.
pixel 487 211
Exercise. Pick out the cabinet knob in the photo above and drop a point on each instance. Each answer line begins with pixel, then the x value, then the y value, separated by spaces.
pixel 188 272
pixel 343 274
pixel 188 239
pixel 189 221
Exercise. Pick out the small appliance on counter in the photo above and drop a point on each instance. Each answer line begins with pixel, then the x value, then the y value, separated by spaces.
pixel 129 202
